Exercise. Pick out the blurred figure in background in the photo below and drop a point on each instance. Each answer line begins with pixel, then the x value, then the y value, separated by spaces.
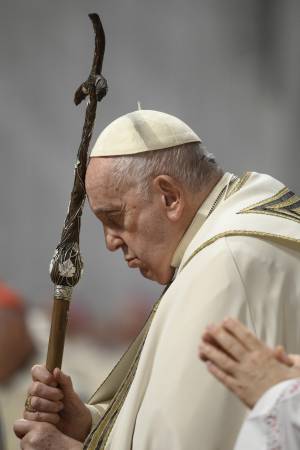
pixel 24 332
pixel 16 350
pixel 15 341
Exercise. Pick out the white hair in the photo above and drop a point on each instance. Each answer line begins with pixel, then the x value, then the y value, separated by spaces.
pixel 190 164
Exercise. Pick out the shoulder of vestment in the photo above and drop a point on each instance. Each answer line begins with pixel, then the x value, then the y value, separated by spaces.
pixel 255 205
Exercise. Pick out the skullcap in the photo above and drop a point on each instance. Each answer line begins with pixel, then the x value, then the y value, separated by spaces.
pixel 142 131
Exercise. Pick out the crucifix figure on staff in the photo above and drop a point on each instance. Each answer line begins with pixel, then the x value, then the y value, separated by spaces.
pixel 222 245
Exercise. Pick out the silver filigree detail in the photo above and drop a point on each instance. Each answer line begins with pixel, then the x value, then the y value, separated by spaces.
pixel 63 292
pixel 52 261
pixel 66 269
pixel 66 265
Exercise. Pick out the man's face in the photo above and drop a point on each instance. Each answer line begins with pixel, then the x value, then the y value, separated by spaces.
pixel 137 226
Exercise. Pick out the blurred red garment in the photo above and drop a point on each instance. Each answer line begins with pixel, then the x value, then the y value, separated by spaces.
pixel 9 298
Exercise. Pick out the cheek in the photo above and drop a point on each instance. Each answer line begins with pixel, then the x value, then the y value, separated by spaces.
pixel 155 228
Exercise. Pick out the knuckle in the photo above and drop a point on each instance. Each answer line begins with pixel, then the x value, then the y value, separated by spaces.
pixel 228 364
pixel 68 379
pixel 231 323
pixel 57 394
pixel 36 402
pixel 48 379
pixel 217 331
pixel 35 370
pixel 31 388
pixel 207 350
pixel 38 416
pixel 58 406
pixel 35 387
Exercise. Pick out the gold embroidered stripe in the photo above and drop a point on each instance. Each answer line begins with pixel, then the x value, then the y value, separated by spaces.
pixel 237 184
pixel 210 241
pixel 284 204
pixel 222 195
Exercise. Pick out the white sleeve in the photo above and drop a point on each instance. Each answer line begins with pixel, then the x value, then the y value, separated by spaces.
pixel 274 423
pixel 97 411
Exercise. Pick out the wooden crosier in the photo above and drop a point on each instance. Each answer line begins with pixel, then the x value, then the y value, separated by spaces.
pixel 66 264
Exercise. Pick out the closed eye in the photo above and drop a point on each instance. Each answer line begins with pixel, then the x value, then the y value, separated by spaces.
pixel 114 218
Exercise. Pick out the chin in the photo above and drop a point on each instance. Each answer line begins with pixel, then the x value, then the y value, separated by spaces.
pixel 146 273
pixel 161 278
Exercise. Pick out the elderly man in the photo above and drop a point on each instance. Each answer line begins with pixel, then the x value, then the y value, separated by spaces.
pixel 222 244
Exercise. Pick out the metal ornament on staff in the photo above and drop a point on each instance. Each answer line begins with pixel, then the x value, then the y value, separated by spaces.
pixel 66 264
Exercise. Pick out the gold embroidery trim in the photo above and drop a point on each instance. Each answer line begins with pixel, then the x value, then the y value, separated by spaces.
pixel 276 196
pixel 279 209
pixel 222 195
pixel 238 233
pixel 237 184
pixel 102 431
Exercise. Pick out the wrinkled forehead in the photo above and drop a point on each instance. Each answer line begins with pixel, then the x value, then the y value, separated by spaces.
pixel 99 172
pixel 99 180
pixel 102 186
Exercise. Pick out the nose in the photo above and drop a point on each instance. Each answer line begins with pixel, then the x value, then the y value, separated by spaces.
pixel 112 240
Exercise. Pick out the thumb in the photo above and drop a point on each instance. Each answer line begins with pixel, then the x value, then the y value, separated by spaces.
pixel 282 356
pixel 22 427
pixel 64 381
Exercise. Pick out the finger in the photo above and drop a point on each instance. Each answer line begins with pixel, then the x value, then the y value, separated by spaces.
pixel 282 356
pixel 43 405
pixel 22 427
pixel 64 381
pixel 209 338
pixel 40 373
pixel 241 332
pixel 42 417
pixel 201 355
pixel 223 377
pixel 38 389
pixel 227 342
pixel 295 359
pixel 218 357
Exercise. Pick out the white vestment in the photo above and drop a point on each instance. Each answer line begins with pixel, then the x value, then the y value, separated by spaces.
pixel 232 261
pixel 274 423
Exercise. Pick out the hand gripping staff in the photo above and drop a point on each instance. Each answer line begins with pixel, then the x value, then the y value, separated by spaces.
pixel 66 264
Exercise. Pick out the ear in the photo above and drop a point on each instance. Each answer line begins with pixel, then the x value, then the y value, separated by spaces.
pixel 171 196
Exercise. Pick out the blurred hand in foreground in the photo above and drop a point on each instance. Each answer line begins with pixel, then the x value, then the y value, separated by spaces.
pixel 53 400
pixel 243 363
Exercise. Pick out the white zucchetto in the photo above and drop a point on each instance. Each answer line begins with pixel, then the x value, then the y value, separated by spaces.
pixel 142 131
